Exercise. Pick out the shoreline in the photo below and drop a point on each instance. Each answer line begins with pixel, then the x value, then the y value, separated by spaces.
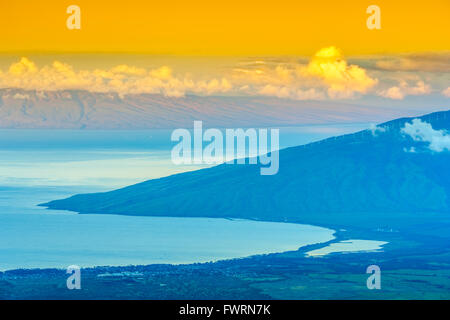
pixel 336 234
pixel 287 275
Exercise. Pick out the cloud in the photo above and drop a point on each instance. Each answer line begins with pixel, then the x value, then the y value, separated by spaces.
pixel 325 76
pixel 291 93
pixel 403 89
pixel 418 130
pixel 163 73
pixel 22 67
pixel 125 69
pixel 19 96
pixel 343 79
pixel 122 79
pixel 427 62
pixel 410 150
pixel 376 130
pixel 446 92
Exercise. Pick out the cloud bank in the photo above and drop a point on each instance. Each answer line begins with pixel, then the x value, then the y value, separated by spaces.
pixel 122 79
pixel 404 89
pixel 327 75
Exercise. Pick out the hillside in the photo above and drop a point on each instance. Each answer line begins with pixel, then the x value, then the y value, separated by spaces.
pixel 372 174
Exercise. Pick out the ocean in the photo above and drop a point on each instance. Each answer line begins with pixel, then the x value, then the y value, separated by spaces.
pixel 37 166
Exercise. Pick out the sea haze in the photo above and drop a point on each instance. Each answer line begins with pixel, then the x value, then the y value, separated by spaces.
pixel 111 158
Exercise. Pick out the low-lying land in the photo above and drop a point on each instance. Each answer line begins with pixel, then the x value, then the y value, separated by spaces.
pixel 413 266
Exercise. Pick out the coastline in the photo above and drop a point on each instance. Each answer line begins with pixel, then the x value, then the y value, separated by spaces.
pixel 287 275
pixel 283 239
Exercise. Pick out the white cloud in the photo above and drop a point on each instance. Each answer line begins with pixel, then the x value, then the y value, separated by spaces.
pixel 375 130
pixel 291 92
pixel 343 80
pixel 122 79
pixel 326 75
pixel 404 89
pixel 410 150
pixel 19 96
pixel 22 67
pixel 439 140
pixel 446 92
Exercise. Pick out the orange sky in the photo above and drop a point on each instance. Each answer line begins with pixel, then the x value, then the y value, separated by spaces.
pixel 205 27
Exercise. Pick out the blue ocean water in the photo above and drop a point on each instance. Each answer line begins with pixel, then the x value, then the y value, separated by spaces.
pixel 60 240
pixel 37 166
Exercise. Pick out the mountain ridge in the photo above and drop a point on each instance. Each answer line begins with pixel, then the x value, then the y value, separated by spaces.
pixel 370 173
pixel 77 109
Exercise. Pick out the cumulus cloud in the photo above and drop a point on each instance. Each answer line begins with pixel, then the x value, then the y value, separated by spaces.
pixel 163 73
pixel 122 79
pixel 376 130
pixel 128 70
pixel 325 76
pixel 343 79
pixel 446 92
pixel 22 67
pixel 19 96
pixel 418 130
pixel 403 89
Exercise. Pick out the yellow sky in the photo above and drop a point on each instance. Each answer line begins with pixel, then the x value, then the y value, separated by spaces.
pixel 232 27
